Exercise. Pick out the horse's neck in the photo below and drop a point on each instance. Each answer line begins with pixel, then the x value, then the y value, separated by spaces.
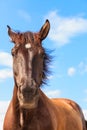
pixel 20 114
pixel 27 116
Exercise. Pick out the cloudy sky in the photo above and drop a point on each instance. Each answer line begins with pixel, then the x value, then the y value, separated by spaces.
pixel 67 37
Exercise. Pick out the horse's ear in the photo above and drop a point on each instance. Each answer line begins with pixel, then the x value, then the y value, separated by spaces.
pixel 11 33
pixel 45 30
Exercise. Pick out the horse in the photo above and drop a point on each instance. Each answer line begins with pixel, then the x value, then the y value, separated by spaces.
pixel 30 108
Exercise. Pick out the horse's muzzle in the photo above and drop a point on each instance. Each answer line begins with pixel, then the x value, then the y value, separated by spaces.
pixel 28 95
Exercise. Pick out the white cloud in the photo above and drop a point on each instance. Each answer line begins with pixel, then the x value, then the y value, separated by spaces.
pixel 64 28
pixel 71 71
pixel 3 109
pixel 6 73
pixel 50 77
pixel 82 67
pixel 5 59
pixel 53 93
pixel 85 114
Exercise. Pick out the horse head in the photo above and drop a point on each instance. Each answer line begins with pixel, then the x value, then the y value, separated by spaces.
pixel 28 64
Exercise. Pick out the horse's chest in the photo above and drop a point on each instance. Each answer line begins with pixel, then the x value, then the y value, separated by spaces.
pixel 37 124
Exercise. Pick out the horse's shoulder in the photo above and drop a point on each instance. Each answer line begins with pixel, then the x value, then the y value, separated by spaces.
pixel 66 103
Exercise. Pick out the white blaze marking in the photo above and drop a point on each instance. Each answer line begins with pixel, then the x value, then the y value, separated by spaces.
pixel 28 45
pixel 31 56
pixel 30 62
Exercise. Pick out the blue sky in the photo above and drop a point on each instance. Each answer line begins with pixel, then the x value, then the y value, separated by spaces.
pixel 67 36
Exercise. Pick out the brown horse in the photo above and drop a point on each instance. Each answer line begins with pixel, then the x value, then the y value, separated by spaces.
pixel 30 108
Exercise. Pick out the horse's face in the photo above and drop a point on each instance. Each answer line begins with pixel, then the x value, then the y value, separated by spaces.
pixel 28 60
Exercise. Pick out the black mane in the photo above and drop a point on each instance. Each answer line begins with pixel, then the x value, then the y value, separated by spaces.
pixel 46 69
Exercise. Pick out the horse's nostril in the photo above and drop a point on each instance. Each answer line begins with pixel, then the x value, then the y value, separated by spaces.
pixel 28 91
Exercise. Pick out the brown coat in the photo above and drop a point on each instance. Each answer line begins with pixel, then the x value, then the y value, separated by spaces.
pixel 51 114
